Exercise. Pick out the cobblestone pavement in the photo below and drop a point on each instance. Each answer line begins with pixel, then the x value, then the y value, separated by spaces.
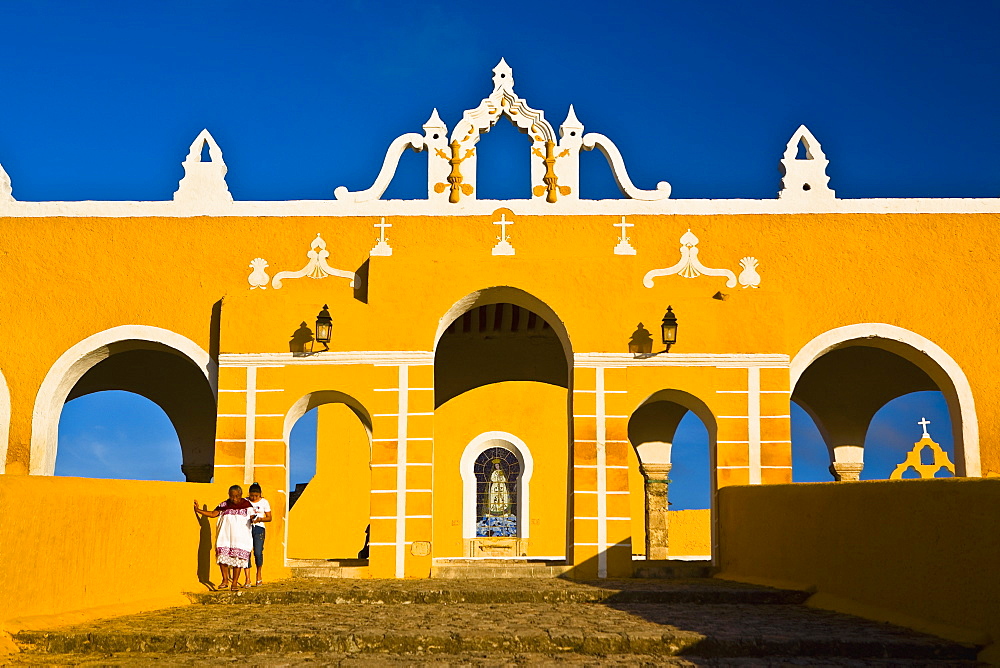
pixel 512 622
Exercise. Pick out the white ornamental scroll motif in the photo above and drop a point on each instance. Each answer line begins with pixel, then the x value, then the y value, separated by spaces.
pixel 317 267
pixel 689 266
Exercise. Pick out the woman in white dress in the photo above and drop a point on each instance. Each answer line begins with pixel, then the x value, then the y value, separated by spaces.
pixel 234 541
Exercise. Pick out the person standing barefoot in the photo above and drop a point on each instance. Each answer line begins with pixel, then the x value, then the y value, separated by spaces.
pixel 262 514
pixel 234 539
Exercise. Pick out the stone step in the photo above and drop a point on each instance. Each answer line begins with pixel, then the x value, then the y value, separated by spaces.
pixel 671 568
pixel 594 630
pixel 488 591
pixel 329 568
pixel 465 569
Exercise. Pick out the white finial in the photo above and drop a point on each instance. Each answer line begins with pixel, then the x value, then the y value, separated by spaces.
pixel 804 178
pixel 435 122
pixel 571 122
pixel 503 76
pixel 923 423
pixel 204 182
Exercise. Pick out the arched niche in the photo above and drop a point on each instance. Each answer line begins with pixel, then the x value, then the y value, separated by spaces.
pixel 844 376
pixel 162 366
pixel 472 451
pixel 332 514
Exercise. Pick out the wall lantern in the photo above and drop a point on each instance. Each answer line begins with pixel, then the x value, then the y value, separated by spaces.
pixel 669 328
pixel 324 327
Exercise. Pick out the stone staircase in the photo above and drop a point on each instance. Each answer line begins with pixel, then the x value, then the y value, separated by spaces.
pixel 531 621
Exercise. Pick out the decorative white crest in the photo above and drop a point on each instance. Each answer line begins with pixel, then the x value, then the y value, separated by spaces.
pixel 689 266
pixel 204 181
pixel 258 278
pixel 749 278
pixel 382 247
pixel 317 266
pixel 6 192
pixel 804 178
pixel 451 163
pixel 503 246
pixel 624 247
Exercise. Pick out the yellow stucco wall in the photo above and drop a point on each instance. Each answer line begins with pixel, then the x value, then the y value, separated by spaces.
pixel 689 533
pixel 922 553
pixel 76 548
pixel 813 267
pixel 819 271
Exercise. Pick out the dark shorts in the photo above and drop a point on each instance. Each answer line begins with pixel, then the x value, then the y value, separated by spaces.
pixel 258 546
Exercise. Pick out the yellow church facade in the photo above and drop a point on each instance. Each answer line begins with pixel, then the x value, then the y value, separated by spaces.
pixel 498 382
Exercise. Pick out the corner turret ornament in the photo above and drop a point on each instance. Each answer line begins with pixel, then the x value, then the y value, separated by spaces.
pixel 451 162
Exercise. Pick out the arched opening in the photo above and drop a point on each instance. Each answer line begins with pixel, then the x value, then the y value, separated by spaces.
pixel 673 437
pixel 501 366
pixel 115 434
pixel 844 377
pixel 165 368
pixel 503 163
pixel 328 435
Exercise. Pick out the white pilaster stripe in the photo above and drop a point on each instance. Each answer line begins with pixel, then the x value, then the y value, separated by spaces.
pixel 251 424
pixel 753 423
pixel 402 408
pixel 602 479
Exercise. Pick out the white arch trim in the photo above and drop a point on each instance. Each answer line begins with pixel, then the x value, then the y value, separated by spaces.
pixel 4 422
pixel 79 359
pixel 967 441
pixel 472 450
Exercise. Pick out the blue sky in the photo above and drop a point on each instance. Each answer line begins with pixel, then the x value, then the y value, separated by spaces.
pixel 102 99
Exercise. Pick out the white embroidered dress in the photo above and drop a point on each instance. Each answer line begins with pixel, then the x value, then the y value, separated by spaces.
pixel 235 538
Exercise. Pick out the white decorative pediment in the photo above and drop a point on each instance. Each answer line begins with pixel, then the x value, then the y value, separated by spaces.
pixel 804 178
pixel 316 267
pixel 204 180
pixel 555 161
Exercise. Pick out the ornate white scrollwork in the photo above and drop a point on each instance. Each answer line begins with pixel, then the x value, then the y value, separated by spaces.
pixel 689 266
pixel 593 140
pixel 317 266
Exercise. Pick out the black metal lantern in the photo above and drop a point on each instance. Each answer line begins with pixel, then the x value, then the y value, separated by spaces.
pixel 669 328
pixel 324 327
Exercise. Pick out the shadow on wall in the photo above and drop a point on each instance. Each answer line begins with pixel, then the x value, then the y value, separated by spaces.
pixel 300 340
pixel 206 548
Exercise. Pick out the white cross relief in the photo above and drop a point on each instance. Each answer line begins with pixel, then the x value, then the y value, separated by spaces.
pixel 624 247
pixel 503 246
pixel 382 247
pixel 923 423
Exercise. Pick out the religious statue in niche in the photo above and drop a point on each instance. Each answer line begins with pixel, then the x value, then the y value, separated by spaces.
pixel 497 470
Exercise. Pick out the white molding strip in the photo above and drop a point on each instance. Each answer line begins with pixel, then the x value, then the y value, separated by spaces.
pixel 473 207
pixel 251 425
pixel 382 357
pixel 403 406
pixel 753 423
pixel 602 473
pixel 742 360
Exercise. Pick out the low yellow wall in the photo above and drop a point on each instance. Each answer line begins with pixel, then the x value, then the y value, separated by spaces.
pixel 689 533
pixel 75 548
pixel 921 553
